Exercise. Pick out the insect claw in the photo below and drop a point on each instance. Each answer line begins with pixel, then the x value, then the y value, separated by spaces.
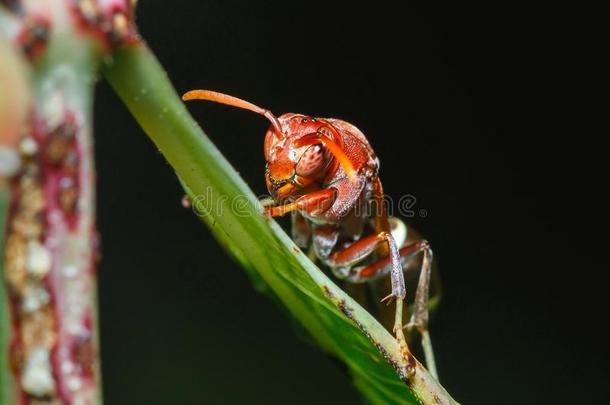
pixel 267 202
pixel 388 298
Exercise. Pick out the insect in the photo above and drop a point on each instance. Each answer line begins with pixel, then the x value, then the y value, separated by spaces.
pixel 324 172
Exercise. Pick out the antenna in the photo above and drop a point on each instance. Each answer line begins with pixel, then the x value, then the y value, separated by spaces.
pixel 235 102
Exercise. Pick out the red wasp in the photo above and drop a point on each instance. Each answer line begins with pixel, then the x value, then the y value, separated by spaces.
pixel 324 172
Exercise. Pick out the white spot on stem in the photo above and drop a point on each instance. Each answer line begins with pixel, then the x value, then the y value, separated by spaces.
pixel 39 259
pixel 28 146
pixel 9 162
pixel 34 298
pixel 37 379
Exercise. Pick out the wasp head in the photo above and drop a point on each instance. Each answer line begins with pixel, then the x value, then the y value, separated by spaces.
pixel 294 162
pixel 298 148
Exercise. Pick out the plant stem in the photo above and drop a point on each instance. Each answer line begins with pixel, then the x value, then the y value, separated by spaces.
pixel 7 386
pixel 51 242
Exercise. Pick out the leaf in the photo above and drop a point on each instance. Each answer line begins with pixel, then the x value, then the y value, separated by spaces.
pixel 233 214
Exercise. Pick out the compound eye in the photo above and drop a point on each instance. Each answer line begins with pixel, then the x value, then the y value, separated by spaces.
pixel 311 161
pixel 270 139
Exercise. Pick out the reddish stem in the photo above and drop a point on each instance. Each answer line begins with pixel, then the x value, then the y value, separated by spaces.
pixel 49 263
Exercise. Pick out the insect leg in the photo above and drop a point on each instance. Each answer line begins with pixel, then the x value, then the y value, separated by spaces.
pixel 382 224
pixel 419 317
pixel 301 230
pixel 342 261
pixel 313 202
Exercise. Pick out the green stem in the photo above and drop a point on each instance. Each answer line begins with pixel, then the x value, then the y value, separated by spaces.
pixel 7 387
pixel 259 243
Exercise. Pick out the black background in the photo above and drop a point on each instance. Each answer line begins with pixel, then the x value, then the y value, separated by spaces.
pixel 459 103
